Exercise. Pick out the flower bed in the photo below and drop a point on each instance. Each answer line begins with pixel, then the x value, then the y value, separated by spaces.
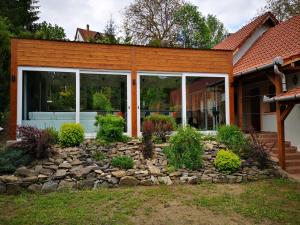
pixel 89 166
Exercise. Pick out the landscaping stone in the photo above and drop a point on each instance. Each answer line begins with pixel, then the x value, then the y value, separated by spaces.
pixel 49 186
pixel 66 185
pixel 24 172
pixel 128 181
pixel 165 180
pixel 65 165
pixel 35 188
pixel 154 170
pixel 60 174
pixel 119 173
pixel 2 188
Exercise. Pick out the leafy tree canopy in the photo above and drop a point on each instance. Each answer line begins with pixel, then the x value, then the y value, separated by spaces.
pixel 283 9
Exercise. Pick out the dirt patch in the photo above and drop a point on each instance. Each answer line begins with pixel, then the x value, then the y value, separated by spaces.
pixel 175 213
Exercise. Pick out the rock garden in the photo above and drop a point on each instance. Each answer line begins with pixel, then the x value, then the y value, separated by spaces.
pixel 50 160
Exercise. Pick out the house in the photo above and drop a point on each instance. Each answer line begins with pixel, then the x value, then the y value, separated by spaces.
pixel 266 68
pixel 86 35
pixel 54 82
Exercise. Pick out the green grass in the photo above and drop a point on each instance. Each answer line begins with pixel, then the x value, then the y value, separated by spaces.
pixel 275 201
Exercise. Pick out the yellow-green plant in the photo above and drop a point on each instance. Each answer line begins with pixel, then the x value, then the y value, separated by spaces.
pixel 227 162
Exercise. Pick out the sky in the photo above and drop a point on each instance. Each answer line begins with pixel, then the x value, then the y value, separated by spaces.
pixel 71 14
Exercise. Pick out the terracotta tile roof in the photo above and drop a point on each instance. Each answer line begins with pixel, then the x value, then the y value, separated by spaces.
pixel 291 95
pixel 235 40
pixel 282 40
pixel 86 35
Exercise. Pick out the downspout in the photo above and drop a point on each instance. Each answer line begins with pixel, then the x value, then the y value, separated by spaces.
pixel 282 98
pixel 279 61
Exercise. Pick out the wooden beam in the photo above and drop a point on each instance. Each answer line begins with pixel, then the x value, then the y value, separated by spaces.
pixel 280 127
pixel 240 104
pixel 271 78
pixel 287 111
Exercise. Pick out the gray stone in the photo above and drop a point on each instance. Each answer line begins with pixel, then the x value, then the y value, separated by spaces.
pixel 154 170
pixel 49 186
pixel 128 181
pixel 193 180
pixel 65 165
pixel 60 174
pixel 206 178
pixel 87 183
pixel 76 162
pixel 146 183
pixel 9 179
pixel 2 187
pixel 154 180
pixel 175 174
pixel 45 171
pixel 30 179
pixel 24 172
pixel 165 180
pixel 34 188
pixel 66 185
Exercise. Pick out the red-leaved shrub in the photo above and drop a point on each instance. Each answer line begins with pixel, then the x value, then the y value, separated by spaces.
pixel 147 139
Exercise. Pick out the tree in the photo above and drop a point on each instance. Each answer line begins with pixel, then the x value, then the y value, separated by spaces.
pixel 109 35
pixel 216 28
pixel 21 13
pixel 283 9
pixel 5 35
pixel 49 32
pixel 193 31
pixel 148 20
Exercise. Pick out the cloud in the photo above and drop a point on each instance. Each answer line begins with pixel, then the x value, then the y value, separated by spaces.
pixel 71 14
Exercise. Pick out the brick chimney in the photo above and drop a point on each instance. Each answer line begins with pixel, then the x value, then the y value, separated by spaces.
pixel 88 30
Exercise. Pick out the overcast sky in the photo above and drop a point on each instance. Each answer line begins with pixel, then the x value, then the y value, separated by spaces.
pixel 71 14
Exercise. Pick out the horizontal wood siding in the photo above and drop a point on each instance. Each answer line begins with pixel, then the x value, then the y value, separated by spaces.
pixel 40 53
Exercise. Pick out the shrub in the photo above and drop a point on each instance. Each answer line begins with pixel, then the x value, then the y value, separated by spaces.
pixel 227 161
pixel 147 139
pixel 233 138
pixel 34 141
pixel 122 162
pixel 54 133
pixel 186 149
pixel 111 128
pixel 209 137
pixel 71 134
pixel 101 101
pixel 11 159
pixel 99 156
pixel 258 151
pixel 162 125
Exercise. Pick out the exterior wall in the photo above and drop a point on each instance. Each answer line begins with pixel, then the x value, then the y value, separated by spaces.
pixel 250 41
pixel 38 53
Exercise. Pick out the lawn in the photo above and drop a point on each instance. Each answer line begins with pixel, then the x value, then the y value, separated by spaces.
pixel 265 202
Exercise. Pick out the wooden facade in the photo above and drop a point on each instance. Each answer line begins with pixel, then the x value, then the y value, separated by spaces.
pixel 63 54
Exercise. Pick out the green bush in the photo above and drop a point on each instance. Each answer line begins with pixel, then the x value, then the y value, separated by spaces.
pixel 71 134
pixel 227 161
pixel 10 159
pixel 186 149
pixel 53 133
pixel 163 125
pixel 111 128
pixel 122 162
pixel 233 138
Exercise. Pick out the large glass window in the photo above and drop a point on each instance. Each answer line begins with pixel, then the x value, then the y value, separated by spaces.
pixel 205 102
pixel 101 94
pixel 161 94
pixel 48 99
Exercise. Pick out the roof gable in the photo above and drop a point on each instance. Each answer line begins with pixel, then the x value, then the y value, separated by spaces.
pixel 234 41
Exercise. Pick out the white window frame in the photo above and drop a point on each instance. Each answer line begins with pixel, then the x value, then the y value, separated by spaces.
pixel 183 91
pixel 77 72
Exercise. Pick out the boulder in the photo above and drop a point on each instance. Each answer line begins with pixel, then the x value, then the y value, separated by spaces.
pixel 119 173
pixel 165 180
pixel 66 185
pixel 47 172
pixel 60 174
pixel 49 186
pixel 128 181
pixel 65 165
pixel 154 170
pixel 9 179
pixel 34 188
pixel 24 172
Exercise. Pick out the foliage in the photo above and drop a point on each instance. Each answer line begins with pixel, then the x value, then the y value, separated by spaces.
pixel 163 125
pixel 21 14
pixel 227 162
pixel 258 151
pixel 54 133
pixel 101 100
pixel 99 156
pixel 110 34
pixel 217 31
pixel 48 31
pixel 282 9
pixel 193 32
pixel 10 159
pixel 209 137
pixel 5 35
pixel 71 134
pixel 186 149
pixel 111 128
pixel 34 141
pixel 3 118
pixel 233 138
pixel 147 139
pixel 147 20
pixel 122 162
